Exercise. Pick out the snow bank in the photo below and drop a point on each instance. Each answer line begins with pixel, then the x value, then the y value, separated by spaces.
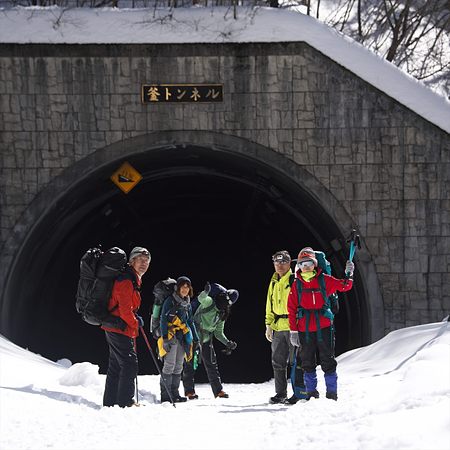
pixel 394 393
pixel 81 374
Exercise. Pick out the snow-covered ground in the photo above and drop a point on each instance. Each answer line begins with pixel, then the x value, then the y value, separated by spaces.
pixel 394 394
pixel 212 25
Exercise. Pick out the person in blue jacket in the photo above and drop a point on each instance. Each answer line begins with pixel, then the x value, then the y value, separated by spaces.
pixel 178 335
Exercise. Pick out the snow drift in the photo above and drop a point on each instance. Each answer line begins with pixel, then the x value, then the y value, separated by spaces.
pixel 394 393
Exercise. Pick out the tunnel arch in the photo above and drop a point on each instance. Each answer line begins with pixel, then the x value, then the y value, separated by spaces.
pixel 255 202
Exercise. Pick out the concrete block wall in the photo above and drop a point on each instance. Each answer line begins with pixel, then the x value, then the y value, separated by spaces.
pixel 388 167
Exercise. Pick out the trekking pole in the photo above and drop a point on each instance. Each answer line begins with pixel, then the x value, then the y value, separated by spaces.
pixel 354 243
pixel 157 365
pixel 137 389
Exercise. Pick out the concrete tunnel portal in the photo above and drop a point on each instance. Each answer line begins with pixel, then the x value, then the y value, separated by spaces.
pixel 208 214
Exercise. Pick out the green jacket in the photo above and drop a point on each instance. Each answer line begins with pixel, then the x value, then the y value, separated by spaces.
pixel 276 304
pixel 207 320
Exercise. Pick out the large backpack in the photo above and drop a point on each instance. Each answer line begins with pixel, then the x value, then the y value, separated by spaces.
pixel 161 291
pixel 98 271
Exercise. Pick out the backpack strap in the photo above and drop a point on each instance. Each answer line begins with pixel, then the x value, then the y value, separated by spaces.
pixel 300 310
pixel 281 316
pixel 199 312
pixel 128 274
pixel 291 279
pixel 325 311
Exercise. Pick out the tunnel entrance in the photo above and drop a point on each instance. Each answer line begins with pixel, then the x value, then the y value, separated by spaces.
pixel 210 215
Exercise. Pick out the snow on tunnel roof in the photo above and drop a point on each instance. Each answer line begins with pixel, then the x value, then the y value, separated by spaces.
pixel 54 25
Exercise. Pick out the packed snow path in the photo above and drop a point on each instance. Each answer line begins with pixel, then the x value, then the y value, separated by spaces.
pixel 394 393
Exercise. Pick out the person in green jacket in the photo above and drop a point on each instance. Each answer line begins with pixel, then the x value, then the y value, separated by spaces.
pixel 213 310
pixel 277 324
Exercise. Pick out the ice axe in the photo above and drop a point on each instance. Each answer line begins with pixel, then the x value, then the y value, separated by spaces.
pixel 354 243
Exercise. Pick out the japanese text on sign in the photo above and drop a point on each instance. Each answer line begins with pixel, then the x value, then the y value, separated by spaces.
pixel 177 93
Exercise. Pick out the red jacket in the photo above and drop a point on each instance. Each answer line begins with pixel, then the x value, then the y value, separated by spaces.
pixel 313 300
pixel 124 302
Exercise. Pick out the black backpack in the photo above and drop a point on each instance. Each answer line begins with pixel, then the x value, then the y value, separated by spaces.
pixel 98 271
pixel 161 291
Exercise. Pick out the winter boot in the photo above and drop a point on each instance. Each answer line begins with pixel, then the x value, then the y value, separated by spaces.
pixel 331 395
pixel 133 404
pixel 277 398
pixel 177 398
pixel 191 395
pixel 165 396
pixel 312 394
pixel 331 384
pixel 222 394
pixel 291 400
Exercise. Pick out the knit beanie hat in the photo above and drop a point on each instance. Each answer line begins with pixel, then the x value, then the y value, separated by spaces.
pixel 181 281
pixel 138 251
pixel 307 254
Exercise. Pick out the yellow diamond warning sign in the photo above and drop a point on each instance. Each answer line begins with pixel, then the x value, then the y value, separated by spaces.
pixel 126 177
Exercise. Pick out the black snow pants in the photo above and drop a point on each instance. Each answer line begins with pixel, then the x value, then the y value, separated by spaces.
pixel 324 347
pixel 209 360
pixel 122 370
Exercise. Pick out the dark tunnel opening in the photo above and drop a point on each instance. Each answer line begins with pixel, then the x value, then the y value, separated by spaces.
pixel 205 214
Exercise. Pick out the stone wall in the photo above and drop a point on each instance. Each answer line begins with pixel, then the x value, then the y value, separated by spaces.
pixel 388 167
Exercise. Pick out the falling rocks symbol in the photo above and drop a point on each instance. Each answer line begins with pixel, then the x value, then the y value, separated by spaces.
pixel 123 179
pixel 126 177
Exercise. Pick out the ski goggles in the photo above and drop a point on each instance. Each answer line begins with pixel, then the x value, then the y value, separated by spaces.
pixel 306 264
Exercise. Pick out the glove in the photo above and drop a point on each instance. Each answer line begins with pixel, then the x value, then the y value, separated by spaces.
pixel 294 338
pixel 166 345
pixel 207 288
pixel 230 347
pixel 269 333
pixel 349 268
pixel 140 320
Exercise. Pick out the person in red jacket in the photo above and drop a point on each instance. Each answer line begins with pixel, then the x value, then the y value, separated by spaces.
pixel 310 321
pixel 124 302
